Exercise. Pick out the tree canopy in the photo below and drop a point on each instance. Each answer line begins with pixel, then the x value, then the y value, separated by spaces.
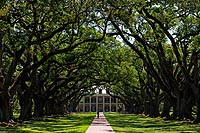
pixel 145 53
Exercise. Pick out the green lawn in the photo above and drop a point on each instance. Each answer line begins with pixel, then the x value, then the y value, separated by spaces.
pixel 129 123
pixel 75 123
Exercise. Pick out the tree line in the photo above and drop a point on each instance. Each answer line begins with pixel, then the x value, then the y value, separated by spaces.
pixel 143 52
pixel 164 36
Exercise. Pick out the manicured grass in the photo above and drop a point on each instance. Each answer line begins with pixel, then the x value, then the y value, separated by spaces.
pixel 75 123
pixel 130 123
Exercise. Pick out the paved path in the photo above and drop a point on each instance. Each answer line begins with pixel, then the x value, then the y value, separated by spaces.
pixel 100 125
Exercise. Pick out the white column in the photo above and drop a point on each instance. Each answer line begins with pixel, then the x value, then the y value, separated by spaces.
pixel 97 108
pixel 83 103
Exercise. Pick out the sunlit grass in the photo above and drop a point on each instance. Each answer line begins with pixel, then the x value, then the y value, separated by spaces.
pixel 75 123
pixel 129 123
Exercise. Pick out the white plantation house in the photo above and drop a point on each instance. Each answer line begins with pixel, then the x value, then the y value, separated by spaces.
pixel 100 101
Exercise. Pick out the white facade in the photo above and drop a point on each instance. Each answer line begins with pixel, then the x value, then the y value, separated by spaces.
pixel 101 103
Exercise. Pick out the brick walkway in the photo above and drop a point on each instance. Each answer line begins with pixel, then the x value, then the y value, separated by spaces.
pixel 100 125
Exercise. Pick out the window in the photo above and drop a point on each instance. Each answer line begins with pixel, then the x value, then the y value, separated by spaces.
pixel 100 99
pixel 100 108
pixel 107 99
pixel 87 108
pixel 93 100
pixel 93 108
pixel 113 100
pixel 87 100
pixel 113 108
pixel 107 108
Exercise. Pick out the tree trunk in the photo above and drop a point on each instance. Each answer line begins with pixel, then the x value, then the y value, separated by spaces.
pixel 72 106
pixel 154 108
pixel 129 107
pixel 49 106
pixel 26 103
pixel 197 119
pixel 138 108
pixel 166 108
pixel 38 106
pixel 4 107
pixel 183 104
pixel 147 107
pixel 4 96
pixel 188 110
pixel 189 103
pixel 53 108
pixel 60 109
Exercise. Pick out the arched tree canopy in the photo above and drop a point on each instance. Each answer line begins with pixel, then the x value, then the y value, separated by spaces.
pixel 143 52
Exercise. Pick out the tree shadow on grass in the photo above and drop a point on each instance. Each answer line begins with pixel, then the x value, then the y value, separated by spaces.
pixel 137 124
pixel 77 123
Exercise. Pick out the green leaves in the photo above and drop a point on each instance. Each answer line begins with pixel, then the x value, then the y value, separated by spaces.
pixel 2 3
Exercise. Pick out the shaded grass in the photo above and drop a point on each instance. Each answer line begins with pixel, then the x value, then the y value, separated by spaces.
pixel 75 123
pixel 130 123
